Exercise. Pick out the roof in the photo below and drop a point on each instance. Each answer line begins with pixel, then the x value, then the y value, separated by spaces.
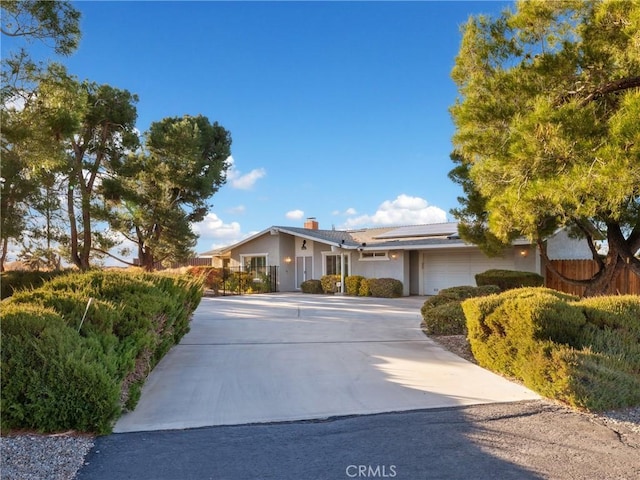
pixel 421 231
pixel 331 237
pixel 408 237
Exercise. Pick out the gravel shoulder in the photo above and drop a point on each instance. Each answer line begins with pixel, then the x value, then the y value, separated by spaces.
pixel 31 456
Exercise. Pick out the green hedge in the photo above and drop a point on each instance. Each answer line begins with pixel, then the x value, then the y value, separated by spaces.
pixel 15 280
pixel 52 378
pixel 330 283
pixel 311 286
pixel 352 284
pixel 442 314
pixel 584 353
pixel 385 287
pixel 364 290
pixel 53 360
pixel 509 279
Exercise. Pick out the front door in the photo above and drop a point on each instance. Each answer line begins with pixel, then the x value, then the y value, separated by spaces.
pixel 304 270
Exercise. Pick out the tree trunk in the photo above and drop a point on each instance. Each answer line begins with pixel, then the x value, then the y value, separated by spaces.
pixel 145 256
pixel 146 259
pixel 73 227
pixel 3 256
pixel 602 285
pixel 621 253
pixel 85 252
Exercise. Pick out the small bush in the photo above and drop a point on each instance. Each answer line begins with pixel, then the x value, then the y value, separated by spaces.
pixel 464 292
pixel 330 283
pixel 364 290
pixel 352 284
pixel 385 287
pixel 509 279
pixel 239 282
pixel 211 276
pixel 445 319
pixel 433 302
pixel 442 314
pixel 311 286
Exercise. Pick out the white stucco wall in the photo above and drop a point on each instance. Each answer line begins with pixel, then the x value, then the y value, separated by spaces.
pixel 561 247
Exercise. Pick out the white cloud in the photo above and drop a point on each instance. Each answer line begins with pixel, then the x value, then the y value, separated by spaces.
pixel 240 209
pixel 295 214
pixel 243 181
pixel 347 213
pixel 216 244
pixel 212 228
pixel 404 210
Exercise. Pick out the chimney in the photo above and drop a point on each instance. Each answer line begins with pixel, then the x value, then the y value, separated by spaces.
pixel 311 223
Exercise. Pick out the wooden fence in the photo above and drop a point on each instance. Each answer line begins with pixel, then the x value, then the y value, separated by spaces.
pixel 192 262
pixel 626 283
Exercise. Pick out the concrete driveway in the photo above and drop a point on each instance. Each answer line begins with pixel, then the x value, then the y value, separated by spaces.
pixel 286 357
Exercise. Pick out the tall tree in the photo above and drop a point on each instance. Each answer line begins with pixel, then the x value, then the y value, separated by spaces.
pixel 160 192
pixel 547 125
pixel 77 132
pixel 33 153
pixel 16 190
pixel 56 23
pixel 107 133
pixel 472 215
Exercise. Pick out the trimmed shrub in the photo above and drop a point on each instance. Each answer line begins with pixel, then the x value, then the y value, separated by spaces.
pixel 52 378
pixel 464 292
pixel 352 284
pixel 548 341
pixel 509 279
pixel 442 314
pixel 445 319
pixel 311 286
pixel 329 283
pixel 616 312
pixel 613 326
pixel 131 322
pixel 15 280
pixel 239 282
pixel 364 290
pixel 433 302
pixel 385 287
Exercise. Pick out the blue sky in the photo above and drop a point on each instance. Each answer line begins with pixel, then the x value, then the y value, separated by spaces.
pixel 338 110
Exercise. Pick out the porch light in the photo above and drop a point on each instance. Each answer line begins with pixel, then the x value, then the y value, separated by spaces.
pixel 304 245
pixel 394 255
pixel 524 252
pixel 287 259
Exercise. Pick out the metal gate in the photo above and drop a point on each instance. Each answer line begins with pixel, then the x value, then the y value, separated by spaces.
pixel 245 280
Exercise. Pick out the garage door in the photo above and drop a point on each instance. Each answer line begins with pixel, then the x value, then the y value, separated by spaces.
pixel 446 269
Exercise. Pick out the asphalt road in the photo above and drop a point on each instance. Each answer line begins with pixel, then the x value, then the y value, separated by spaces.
pixel 521 440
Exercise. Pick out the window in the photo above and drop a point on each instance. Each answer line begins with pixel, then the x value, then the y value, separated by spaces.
pixel 255 264
pixel 368 256
pixel 333 265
